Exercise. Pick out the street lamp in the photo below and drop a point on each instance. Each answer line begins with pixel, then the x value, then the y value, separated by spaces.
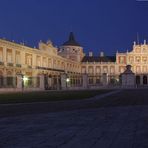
pixel 67 81
pixel 25 79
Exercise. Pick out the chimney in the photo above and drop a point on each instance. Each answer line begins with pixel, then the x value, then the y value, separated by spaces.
pixel 101 54
pixel 90 54
pixel 144 42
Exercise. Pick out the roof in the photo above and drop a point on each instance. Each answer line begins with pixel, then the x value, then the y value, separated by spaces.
pixel 71 41
pixel 99 59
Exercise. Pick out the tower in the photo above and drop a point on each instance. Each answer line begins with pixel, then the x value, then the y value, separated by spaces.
pixel 71 49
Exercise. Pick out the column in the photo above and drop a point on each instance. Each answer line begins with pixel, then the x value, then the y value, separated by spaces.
pixel 104 79
pixel 141 79
pixel 58 83
pixel 5 55
pixel 52 63
pixel 34 61
pixel 49 82
pixel 63 81
pixel 13 57
pixel 14 79
pixel 94 75
pixel 42 82
pixel 5 78
pixel 85 80
pixel 19 81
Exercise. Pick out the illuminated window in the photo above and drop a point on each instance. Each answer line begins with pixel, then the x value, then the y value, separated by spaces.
pixel 144 59
pixel 131 60
pixel 28 59
pixel 137 50
pixel 18 58
pixel 138 59
pixel 9 56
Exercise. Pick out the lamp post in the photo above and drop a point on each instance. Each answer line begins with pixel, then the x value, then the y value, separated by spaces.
pixel 24 79
pixel 67 81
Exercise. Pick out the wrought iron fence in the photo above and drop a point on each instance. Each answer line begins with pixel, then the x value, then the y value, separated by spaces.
pixel 31 82
pixel 8 82
pixel 11 82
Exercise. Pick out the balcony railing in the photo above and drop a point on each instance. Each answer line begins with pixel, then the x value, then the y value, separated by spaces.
pixel 1 63
pixel 10 64
pixel 29 66
pixel 18 65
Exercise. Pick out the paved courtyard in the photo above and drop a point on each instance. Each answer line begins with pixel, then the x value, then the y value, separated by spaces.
pixel 118 120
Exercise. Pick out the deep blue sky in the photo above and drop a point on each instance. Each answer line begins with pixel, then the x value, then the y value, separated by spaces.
pixel 107 25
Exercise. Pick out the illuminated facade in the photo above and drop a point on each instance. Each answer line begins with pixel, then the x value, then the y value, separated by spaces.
pixel 69 59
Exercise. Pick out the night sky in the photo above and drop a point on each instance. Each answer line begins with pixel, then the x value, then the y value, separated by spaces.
pixel 107 25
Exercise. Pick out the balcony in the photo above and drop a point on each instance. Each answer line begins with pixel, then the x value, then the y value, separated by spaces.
pixel 1 63
pixel 29 66
pixel 18 65
pixel 10 64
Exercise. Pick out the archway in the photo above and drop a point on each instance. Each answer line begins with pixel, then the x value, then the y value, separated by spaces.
pixel 144 80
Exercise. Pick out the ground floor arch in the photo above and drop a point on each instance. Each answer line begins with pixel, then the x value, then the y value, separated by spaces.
pixel 145 80
pixel 138 80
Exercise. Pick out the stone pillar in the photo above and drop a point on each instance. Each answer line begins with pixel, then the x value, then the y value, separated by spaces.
pixel 19 81
pixel 14 81
pixel 58 83
pixel 141 79
pixel 128 77
pixel 42 82
pixel 13 56
pixel 5 55
pixel 34 60
pixel 85 80
pixel 63 81
pixel 50 82
pixel 5 78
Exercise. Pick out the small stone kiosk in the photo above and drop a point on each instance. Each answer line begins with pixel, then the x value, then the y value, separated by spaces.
pixel 128 78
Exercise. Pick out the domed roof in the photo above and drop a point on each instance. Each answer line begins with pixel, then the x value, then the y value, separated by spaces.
pixel 71 41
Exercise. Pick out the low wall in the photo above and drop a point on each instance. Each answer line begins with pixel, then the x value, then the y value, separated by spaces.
pixel 13 90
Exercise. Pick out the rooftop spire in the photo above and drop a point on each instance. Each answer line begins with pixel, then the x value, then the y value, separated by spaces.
pixel 71 41
pixel 71 37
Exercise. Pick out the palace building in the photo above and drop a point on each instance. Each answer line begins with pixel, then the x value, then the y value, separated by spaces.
pixel 67 63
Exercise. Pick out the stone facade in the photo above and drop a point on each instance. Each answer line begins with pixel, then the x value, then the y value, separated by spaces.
pixel 70 61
